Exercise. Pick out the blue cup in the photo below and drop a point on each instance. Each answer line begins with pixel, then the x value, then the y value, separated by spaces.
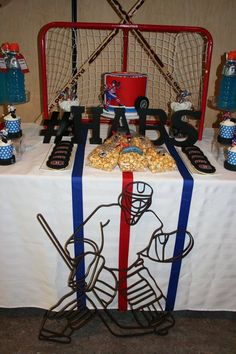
pixel 6 152
pixel 13 125
pixel 231 157
pixel 230 162
pixel 227 130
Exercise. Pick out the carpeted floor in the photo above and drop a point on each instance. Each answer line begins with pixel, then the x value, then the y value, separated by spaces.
pixel 193 333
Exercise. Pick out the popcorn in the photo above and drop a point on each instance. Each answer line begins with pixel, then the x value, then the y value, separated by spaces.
pixel 118 141
pixel 159 161
pixel 104 157
pixel 135 153
pixel 132 159
pixel 141 142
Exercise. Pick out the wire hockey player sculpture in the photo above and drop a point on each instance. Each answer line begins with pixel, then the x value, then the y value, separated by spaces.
pixel 101 283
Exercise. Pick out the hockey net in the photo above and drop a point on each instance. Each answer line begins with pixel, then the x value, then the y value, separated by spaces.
pixel 91 49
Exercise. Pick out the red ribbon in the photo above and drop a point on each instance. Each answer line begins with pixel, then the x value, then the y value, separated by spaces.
pixel 124 246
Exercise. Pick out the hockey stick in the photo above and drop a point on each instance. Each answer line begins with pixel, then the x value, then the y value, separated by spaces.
pixel 164 70
pixel 55 241
pixel 73 80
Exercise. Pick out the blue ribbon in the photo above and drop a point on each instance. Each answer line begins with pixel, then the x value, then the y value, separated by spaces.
pixel 77 205
pixel 182 222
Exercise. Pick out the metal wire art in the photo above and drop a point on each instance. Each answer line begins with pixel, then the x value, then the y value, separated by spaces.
pixel 94 292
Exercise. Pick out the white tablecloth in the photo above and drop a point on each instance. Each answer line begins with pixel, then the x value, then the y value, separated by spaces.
pixel 32 273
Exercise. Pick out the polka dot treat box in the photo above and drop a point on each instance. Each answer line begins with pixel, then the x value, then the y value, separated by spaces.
pixel 226 132
pixel 230 163
pixel 6 150
pixel 12 123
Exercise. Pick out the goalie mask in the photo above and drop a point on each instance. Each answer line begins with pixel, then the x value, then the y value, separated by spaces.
pixel 135 200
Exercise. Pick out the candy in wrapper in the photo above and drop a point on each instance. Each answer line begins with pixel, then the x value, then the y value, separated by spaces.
pixel 141 142
pixel 104 157
pixel 132 159
pixel 117 140
pixel 159 161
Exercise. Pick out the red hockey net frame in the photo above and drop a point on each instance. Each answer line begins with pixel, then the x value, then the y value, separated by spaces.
pixel 184 53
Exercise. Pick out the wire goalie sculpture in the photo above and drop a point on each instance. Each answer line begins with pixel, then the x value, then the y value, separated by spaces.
pixel 95 291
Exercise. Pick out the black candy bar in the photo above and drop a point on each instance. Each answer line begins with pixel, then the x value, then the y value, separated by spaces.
pixel 60 157
pixel 190 148
pixel 61 152
pixel 65 148
pixel 65 143
pixel 57 163
pixel 194 152
pixel 206 168
pixel 197 158
pixel 199 161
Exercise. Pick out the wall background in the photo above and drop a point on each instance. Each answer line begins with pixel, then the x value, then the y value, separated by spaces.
pixel 21 20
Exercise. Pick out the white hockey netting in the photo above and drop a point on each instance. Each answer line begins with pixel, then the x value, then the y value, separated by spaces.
pixel 182 53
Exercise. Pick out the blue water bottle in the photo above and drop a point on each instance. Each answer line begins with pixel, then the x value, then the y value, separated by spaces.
pixel 3 72
pixel 15 76
pixel 227 93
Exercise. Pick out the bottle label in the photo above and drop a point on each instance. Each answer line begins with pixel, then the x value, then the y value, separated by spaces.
pixel 22 63
pixel 13 63
pixel 229 69
pixel 3 66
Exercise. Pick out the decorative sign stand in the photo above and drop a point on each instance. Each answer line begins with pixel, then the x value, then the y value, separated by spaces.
pixel 72 124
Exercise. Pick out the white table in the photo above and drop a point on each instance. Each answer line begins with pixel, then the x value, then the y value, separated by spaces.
pixel 32 273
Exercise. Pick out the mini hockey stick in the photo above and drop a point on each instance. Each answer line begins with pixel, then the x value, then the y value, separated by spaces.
pixel 164 70
pixel 93 56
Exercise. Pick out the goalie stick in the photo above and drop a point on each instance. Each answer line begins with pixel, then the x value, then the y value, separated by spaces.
pixel 164 70
pixel 72 81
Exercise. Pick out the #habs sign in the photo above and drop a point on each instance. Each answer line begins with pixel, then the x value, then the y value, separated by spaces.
pixel 120 123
